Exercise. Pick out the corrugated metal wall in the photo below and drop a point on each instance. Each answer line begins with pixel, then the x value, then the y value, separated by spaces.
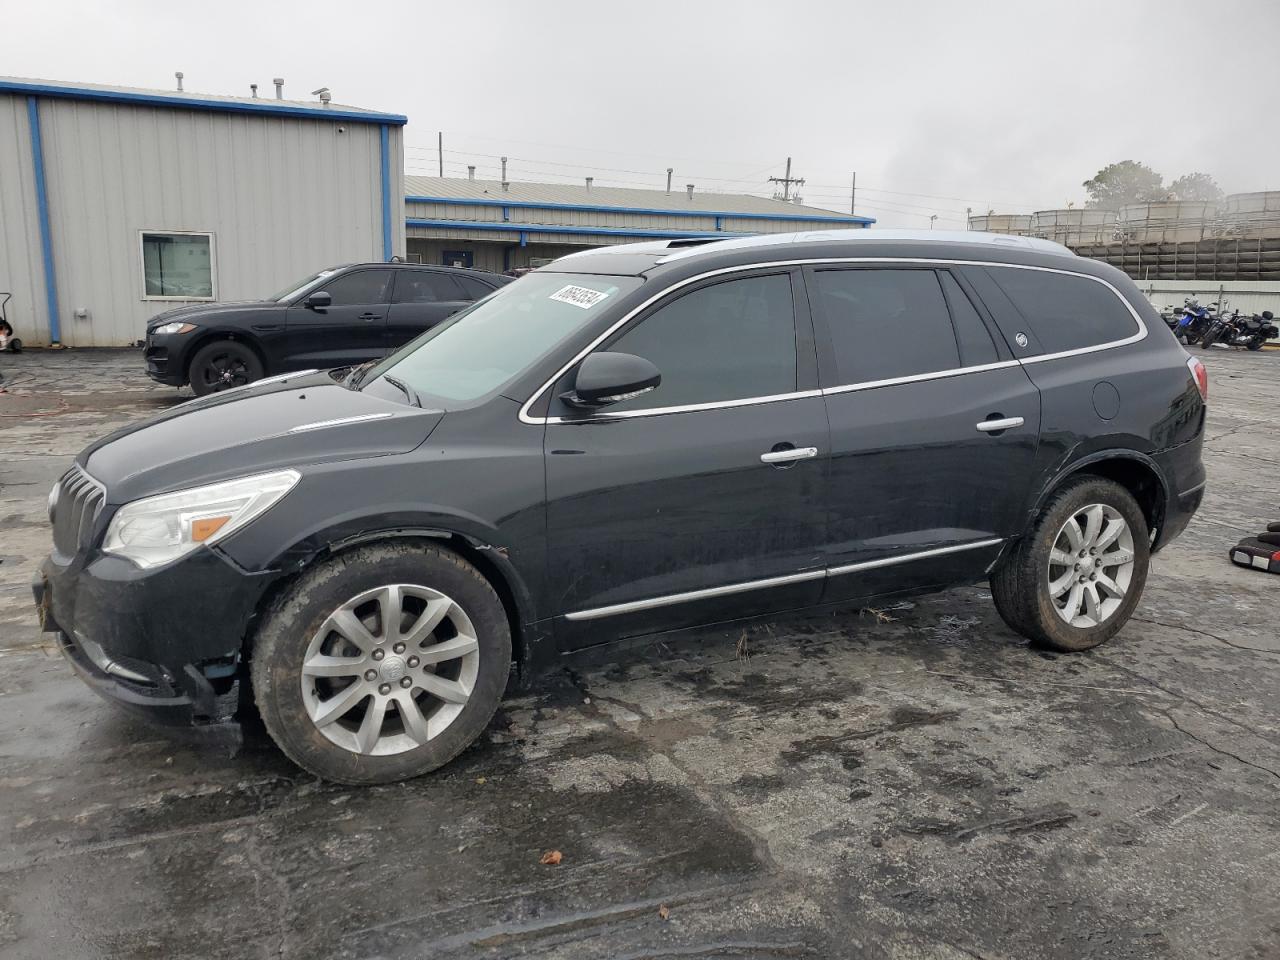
pixel 282 196
pixel 21 269
pixel 486 255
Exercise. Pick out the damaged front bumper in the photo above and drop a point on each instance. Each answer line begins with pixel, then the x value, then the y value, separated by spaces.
pixel 164 643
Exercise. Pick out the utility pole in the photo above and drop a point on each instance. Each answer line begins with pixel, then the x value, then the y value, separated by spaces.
pixel 853 195
pixel 786 182
pixel 932 217
pixel 440 149
pixel 968 212
pixel 670 170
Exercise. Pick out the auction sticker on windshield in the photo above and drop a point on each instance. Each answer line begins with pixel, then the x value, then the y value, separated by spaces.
pixel 583 297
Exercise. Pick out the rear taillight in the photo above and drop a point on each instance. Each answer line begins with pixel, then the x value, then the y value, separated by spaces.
pixel 1200 375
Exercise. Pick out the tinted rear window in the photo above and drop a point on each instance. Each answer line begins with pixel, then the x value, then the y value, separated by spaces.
pixel 1065 312
pixel 886 323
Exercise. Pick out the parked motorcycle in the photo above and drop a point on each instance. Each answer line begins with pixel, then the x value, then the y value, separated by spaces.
pixel 1237 331
pixel 1195 321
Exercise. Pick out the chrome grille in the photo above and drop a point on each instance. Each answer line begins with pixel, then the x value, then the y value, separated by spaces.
pixel 80 500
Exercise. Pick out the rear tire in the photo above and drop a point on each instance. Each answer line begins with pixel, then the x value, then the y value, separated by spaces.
pixel 1254 344
pixel 1084 531
pixel 222 365
pixel 382 663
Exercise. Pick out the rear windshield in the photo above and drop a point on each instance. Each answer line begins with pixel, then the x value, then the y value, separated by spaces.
pixel 480 349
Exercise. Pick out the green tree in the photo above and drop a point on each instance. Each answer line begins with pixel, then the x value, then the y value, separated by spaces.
pixel 1195 186
pixel 1125 182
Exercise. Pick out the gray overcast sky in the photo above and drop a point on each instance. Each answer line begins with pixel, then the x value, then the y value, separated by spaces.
pixel 1005 105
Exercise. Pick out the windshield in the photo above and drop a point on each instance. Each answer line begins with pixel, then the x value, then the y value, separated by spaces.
pixel 478 350
pixel 291 291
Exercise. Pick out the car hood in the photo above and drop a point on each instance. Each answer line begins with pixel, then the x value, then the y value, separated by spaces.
pixel 193 311
pixel 294 421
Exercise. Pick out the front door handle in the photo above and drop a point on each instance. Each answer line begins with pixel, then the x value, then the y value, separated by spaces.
pixel 995 426
pixel 789 456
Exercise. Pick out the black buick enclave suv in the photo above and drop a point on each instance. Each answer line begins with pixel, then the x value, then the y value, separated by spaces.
pixel 341 316
pixel 630 441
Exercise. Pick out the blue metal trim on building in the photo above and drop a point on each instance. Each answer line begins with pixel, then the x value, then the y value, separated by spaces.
pixel 42 213
pixel 268 108
pixel 524 229
pixel 592 208
pixel 384 145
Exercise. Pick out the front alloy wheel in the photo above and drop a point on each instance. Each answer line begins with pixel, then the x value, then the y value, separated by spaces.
pixel 381 663
pixel 390 669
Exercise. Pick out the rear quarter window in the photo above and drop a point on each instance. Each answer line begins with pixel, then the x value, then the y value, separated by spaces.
pixel 1065 311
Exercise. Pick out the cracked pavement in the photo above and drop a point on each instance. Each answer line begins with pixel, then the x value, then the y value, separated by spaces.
pixel 912 783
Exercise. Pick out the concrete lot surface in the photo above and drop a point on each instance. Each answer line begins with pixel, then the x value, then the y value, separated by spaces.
pixel 911 784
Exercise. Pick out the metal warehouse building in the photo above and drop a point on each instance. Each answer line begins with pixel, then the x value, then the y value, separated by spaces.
pixel 116 203
pixel 497 226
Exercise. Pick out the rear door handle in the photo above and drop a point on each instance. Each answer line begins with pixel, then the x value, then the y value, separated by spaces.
pixel 370 316
pixel 789 456
pixel 995 426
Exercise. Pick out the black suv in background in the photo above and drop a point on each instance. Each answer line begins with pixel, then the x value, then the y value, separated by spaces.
pixel 339 317
pixel 630 441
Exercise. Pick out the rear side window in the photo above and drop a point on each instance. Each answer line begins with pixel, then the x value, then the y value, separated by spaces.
pixel 473 288
pixel 1064 311
pixel 362 286
pixel 729 341
pixel 972 336
pixel 886 323
pixel 423 286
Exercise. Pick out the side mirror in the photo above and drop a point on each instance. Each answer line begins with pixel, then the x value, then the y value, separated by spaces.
pixel 605 378
pixel 318 301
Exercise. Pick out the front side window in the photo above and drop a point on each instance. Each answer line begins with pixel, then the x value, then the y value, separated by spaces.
pixel 358 287
pixel 177 266
pixel 489 343
pixel 886 323
pixel 1065 311
pixel 423 286
pixel 730 341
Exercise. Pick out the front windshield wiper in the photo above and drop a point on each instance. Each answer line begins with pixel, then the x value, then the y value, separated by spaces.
pixel 403 388
pixel 356 374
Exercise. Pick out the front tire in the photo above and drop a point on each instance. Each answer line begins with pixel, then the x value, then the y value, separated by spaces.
pixel 382 663
pixel 1078 574
pixel 222 365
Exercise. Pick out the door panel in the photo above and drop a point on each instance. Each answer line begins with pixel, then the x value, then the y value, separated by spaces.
pixel 422 298
pixel 911 472
pixel 665 495
pixel 351 330
pixel 650 507
pixel 920 493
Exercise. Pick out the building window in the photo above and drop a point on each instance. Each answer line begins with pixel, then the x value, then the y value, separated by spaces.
pixel 177 266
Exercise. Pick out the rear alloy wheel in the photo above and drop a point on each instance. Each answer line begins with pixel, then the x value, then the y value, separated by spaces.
pixel 382 663
pixel 222 365
pixel 1076 577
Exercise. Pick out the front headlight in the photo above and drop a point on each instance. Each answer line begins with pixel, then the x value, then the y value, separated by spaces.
pixel 174 326
pixel 160 529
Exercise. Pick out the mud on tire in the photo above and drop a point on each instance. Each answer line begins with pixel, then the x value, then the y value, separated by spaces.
pixel 305 624
pixel 1020 586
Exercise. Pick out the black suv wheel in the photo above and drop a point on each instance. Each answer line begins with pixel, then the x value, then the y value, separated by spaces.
pixel 382 664
pixel 1077 575
pixel 222 365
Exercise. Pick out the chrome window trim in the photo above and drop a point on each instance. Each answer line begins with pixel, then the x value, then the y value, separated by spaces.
pixel 525 416
pixel 746 586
